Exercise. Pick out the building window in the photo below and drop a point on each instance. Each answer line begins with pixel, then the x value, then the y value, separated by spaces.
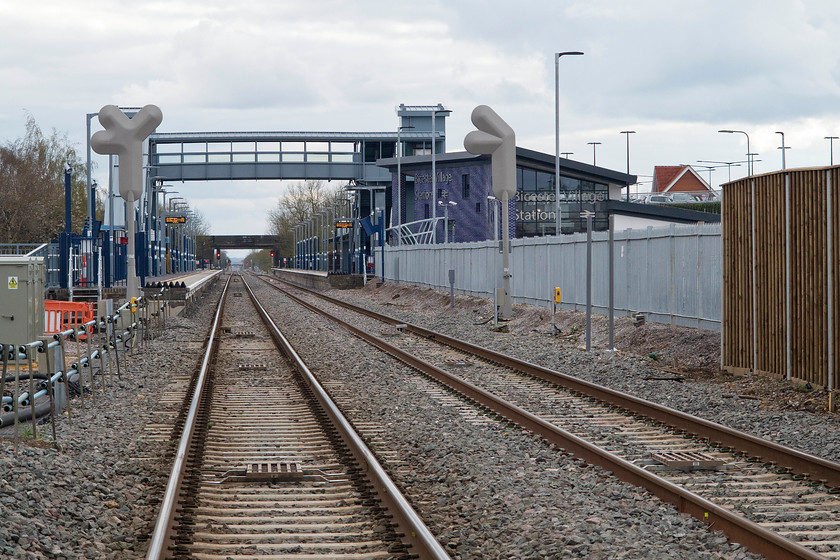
pixel 465 186
pixel 478 208
pixel 426 212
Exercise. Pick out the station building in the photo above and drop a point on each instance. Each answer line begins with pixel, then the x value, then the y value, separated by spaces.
pixel 465 179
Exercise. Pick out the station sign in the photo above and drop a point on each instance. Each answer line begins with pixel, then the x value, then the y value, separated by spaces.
pixel 344 224
pixel 176 219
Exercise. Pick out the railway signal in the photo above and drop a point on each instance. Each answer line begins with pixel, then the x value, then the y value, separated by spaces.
pixel 495 137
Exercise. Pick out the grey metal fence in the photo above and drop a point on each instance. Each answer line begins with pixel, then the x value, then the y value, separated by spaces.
pixel 672 274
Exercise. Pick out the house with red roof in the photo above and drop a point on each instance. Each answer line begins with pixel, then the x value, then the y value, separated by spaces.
pixel 680 178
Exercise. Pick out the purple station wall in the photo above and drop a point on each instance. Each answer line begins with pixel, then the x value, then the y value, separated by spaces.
pixel 473 215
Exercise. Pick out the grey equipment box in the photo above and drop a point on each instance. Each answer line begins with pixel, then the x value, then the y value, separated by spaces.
pixel 21 299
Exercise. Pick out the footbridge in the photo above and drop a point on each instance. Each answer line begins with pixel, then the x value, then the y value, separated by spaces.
pixel 243 241
pixel 208 156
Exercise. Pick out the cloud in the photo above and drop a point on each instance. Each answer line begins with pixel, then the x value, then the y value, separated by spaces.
pixel 675 72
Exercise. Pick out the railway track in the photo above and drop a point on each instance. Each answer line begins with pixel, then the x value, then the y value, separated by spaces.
pixel 775 500
pixel 267 467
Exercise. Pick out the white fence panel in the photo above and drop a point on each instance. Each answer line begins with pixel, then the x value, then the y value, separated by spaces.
pixel 672 274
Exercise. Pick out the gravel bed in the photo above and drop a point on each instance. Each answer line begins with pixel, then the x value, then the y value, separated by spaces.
pixel 744 403
pixel 95 494
pixel 486 489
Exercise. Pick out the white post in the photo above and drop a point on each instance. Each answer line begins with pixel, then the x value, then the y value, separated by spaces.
pixel 434 178
pixel 830 303
pixel 788 355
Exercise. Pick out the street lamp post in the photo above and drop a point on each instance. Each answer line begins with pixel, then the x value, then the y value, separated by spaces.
pixel 446 206
pixel 179 234
pixel 310 244
pixel 439 108
pixel 330 237
pixel 304 241
pixel 398 190
pixel 783 148
pixel 294 246
pixel 111 195
pixel 627 134
pixel 831 140
pixel 317 225
pixel 325 230
pixel 163 238
pixel 749 156
pixel 729 165
pixel 594 145
pixel 558 214
pixel 307 244
pixel 752 161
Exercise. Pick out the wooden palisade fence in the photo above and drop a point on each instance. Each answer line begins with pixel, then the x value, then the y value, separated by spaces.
pixel 781 248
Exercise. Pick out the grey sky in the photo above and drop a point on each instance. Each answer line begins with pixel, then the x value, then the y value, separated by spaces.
pixel 675 72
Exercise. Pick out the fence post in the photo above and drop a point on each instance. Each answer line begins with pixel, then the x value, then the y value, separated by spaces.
pixel 672 273
pixel 788 364
pixel 830 295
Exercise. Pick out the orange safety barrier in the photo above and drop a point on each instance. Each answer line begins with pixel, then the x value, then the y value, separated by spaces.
pixel 60 316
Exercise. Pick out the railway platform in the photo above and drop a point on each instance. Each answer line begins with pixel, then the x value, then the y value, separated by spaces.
pixel 319 280
pixel 181 286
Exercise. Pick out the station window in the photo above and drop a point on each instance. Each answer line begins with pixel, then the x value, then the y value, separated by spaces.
pixel 426 212
pixel 372 151
pixel 465 186
pixel 478 208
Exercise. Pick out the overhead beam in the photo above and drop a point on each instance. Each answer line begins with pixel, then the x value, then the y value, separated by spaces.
pixel 243 241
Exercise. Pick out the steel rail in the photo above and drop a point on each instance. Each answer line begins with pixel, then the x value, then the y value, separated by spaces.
pixel 738 529
pixel 162 535
pixel 797 462
pixel 414 530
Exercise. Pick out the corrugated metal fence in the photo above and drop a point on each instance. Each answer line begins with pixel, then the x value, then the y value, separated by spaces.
pixel 671 274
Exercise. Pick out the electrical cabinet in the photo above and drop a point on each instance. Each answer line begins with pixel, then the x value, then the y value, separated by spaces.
pixel 21 299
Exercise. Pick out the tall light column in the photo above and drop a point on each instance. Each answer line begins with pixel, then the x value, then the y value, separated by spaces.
pixel 434 179
pixel 594 145
pixel 627 134
pixel 729 165
pixel 446 206
pixel 295 246
pixel 558 214
pixel 749 156
pixel 398 190
pixel 325 230
pixel 831 140
pixel 783 148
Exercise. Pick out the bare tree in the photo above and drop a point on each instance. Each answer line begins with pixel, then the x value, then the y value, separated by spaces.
pixel 297 205
pixel 32 186
pixel 199 229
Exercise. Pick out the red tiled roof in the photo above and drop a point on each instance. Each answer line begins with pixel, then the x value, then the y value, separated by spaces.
pixel 664 175
pixel 687 180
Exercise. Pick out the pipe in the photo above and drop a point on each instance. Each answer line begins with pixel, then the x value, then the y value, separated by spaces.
pixel 25 414
pixel 11 378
